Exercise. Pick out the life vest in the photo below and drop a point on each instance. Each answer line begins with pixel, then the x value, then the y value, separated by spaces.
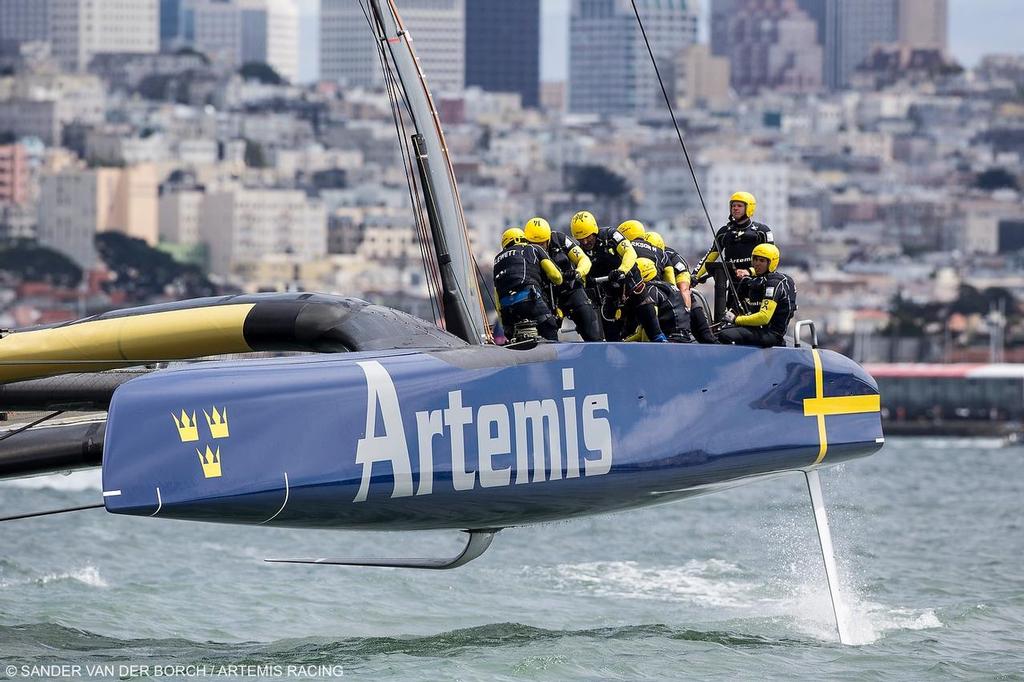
pixel 517 270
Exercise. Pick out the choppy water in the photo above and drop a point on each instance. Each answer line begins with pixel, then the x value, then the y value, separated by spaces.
pixel 929 541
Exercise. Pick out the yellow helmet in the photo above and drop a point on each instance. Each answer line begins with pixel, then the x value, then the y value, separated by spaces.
pixel 769 251
pixel 632 229
pixel 748 199
pixel 583 225
pixel 655 240
pixel 537 231
pixel 648 270
pixel 512 235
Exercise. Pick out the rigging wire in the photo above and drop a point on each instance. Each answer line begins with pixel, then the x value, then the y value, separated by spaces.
pixel 686 153
pixel 33 515
pixel 487 291
pixel 402 33
pixel 432 274
pixel 28 426
pixel 426 241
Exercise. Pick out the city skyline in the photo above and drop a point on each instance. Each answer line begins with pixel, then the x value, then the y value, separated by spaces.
pixel 970 33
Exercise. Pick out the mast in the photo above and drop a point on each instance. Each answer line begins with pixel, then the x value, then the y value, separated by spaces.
pixel 462 301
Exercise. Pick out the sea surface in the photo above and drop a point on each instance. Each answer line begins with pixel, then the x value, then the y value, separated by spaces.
pixel 929 539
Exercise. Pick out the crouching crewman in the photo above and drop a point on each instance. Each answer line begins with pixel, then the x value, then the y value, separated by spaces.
pixel 521 271
pixel 771 294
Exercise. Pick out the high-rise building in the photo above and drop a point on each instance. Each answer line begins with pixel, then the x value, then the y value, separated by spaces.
pixel 848 30
pixel 270 34
pixel 773 44
pixel 348 52
pixel 80 29
pixel 172 23
pixel 722 12
pixel 610 71
pixel 234 32
pixel 503 47
pixel 924 23
pixel 818 11
pixel 23 21
pixel 859 26
pixel 214 27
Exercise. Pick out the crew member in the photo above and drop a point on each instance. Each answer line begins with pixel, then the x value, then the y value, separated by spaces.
pixel 636 233
pixel 700 328
pixel 521 270
pixel 633 301
pixel 673 318
pixel 612 256
pixel 574 264
pixel 737 240
pixel 772 294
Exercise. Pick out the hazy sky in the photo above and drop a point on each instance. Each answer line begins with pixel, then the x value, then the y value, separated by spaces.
pixel 976 27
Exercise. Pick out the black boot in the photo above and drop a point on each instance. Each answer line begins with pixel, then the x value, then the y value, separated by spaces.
pixel 700 327
pixel 647 316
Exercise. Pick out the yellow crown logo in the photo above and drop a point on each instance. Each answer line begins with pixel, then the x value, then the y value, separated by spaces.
pixel 210 461
pixel 218 423
pixel 188 430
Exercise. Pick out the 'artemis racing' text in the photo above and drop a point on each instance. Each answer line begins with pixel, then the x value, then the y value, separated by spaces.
pixel 499 454
pixel 123 670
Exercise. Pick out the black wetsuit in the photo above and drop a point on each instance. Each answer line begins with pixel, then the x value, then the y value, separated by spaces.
pixel 699 325
pixel 626 293
pixel 570 295
pixel 673 317
pixel 737 239
pixel 519 282
pixel 652 253
pixel 758 292
pixel 677 262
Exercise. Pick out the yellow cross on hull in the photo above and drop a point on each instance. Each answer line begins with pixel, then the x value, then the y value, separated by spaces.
pixel 819 406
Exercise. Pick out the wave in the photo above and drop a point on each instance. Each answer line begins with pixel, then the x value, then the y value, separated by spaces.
pixel 87 575
pixel 90 575
pixel 53 636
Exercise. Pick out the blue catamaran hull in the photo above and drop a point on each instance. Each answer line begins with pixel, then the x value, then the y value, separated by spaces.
pixel 476 437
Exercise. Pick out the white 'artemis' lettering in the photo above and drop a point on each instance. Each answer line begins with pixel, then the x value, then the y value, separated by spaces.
pixel 538 412
pixel 456 417
pixel 489 446
pixel 597 434
pixel 389 447
pixel 428 425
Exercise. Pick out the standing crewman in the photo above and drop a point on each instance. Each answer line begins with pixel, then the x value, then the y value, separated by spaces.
pixel 737 240
pixel 574 264
pixel 771 294
pixel 521 271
